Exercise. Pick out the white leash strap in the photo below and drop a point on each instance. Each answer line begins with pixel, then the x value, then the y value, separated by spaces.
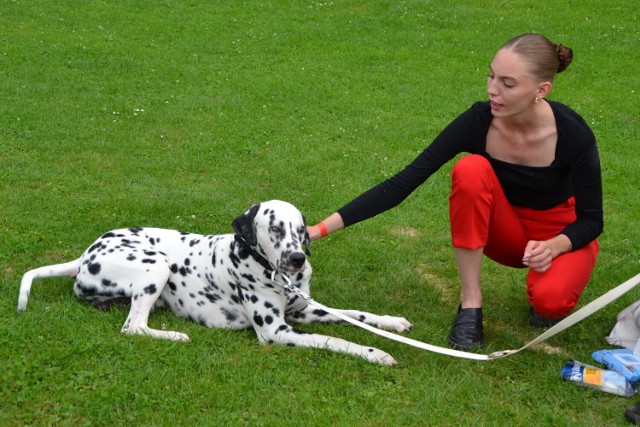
pixel 569 321
pixel 400 338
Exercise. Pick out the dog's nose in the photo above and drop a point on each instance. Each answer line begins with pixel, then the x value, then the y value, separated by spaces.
pixel 297 259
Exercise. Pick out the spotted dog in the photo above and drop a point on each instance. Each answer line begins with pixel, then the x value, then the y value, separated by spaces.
pixel 219 281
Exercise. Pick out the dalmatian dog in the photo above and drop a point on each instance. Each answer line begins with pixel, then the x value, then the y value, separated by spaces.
pixel 219 281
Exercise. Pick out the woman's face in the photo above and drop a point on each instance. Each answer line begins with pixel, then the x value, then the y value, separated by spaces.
pixel 512 90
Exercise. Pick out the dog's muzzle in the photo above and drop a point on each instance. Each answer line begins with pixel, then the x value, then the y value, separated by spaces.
pixel 297 260
pixel 294 262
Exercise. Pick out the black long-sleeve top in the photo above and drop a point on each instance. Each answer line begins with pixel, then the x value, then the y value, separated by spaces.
pixel 575 171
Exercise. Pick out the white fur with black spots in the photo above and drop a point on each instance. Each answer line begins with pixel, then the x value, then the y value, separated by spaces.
pixel 219 281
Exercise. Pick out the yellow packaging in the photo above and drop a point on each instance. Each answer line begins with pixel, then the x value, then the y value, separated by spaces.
pixel 592 376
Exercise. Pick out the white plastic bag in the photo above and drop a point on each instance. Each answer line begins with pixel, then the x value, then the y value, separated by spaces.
pixel 626 332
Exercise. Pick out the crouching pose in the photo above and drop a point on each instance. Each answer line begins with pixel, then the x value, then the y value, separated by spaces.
pixel 529 194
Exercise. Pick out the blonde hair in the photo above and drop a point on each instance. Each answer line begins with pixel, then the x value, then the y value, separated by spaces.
pixel 546 59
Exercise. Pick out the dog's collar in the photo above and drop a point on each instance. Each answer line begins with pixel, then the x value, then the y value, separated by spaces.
pixel 286 283
pixel 254 254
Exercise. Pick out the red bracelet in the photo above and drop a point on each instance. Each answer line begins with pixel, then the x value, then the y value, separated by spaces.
pixel 323 229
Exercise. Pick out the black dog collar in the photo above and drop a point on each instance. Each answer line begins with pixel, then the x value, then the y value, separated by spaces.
pixel 254 254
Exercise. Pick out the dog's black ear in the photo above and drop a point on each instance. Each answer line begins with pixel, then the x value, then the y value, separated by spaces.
pixel 307 244
pixel 243 225
pixel 307 240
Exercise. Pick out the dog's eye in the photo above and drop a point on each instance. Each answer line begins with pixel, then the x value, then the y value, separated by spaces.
pixel 276 230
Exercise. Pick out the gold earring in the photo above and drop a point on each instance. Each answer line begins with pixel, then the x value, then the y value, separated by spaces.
pixel 537 100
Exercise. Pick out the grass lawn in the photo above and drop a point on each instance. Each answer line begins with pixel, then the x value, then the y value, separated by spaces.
pixel 181 114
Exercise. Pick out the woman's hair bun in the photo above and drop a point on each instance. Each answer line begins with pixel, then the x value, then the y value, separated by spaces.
pixel 565 56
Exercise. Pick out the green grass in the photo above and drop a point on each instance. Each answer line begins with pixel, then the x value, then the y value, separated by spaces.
pixel 181 114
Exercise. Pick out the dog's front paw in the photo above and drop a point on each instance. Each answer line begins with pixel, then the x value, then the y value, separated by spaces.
pixel 178 336
pixel 378 356
pixel 398 324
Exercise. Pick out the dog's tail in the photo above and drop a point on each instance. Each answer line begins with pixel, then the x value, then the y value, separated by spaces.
pixel 69 269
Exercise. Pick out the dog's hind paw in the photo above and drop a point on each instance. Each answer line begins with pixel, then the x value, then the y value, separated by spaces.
pixel 164 335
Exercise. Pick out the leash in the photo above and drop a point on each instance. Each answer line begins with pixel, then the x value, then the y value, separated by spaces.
pixel 567 322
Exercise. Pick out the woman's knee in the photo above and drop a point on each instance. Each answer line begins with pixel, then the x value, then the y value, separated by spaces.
pixel 472 172
pixel 470 165
pixel 555 293
pixel 554 297
pixel 552 305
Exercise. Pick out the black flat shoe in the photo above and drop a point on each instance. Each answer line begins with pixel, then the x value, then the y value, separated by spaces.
pixel 538 321
pixel 632 414
pixel 466 333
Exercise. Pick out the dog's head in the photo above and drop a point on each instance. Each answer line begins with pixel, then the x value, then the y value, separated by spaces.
pixel 278 232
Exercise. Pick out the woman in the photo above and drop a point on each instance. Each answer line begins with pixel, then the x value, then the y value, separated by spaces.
pixel 529 194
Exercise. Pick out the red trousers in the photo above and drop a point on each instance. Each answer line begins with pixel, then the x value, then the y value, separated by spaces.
pixel 481 217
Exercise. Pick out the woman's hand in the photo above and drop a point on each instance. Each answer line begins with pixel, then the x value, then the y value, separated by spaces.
pixel 538 254
pixel 314 232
